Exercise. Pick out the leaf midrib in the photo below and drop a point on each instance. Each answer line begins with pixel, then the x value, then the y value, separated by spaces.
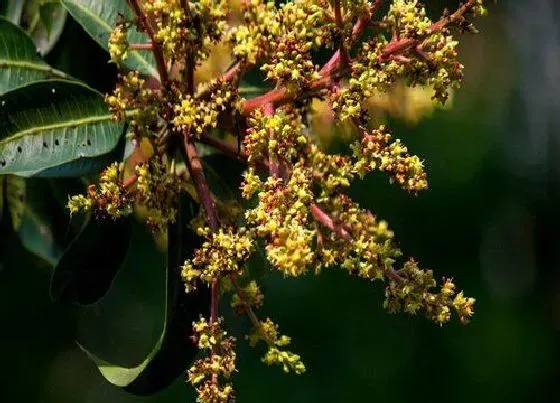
pixel 67 124
pixel 32 66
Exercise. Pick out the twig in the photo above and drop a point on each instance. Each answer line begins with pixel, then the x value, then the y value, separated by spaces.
pixel 197 174
pixel 249 311
pixel 140 46
pixel 328 222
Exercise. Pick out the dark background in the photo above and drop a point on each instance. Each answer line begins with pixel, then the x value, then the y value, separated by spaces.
pixel 491 220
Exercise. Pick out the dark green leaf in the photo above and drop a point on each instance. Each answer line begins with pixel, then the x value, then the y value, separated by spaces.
pixel 98 18
pixel 173 352
pixel 15 196
pixel 40 222
pixel 51 123
pixel 88 266
pixel 19 63
pixel 223 174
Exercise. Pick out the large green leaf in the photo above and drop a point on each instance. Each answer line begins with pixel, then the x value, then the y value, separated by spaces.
pixel 88 266
pixel 50 123
pixel 173 352
pixel 98 18
pixel 83 166
pixel 19 63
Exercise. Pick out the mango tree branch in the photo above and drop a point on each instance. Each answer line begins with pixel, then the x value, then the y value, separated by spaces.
pixel 333 70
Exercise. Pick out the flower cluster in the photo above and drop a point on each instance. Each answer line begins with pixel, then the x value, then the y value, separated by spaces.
pixel 376 151
pixel 267 331
pixel 157 190
pixel 118 44
pixel 279 136
pixel 187 31
pixel 282 218
pixel 108 199
pixel 296 201
pixel 303 28
pixel 248 297
pixel 407 18
pixel 223 253
pixel 220 362
pixel 292 66
pixel 252 40
pixel 428 57
pixel 410 290
pixel 199 115
pixel 154 189
pixel 134 103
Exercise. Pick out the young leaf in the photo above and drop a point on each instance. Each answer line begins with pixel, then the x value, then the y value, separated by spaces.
pixel 19 63
pixel 88 266
pixel 45 22
pixel 98 18
pixel 50 123
pixel 12 10
pixel 173 351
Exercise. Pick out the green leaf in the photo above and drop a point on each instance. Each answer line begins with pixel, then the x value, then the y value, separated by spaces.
pixel 98 18
pixel 50 123
pixel 12 10
pixel 224 176
pixel 173 352
pixel 88 266
pixel 47 12
pixel 15 196
pixel 40 222
pixel 82 166
pixel 44 23
pixel 19 63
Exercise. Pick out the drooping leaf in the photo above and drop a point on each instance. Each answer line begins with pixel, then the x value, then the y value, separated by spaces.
pixel 173 352
pixel 51 123
pixel 19 63
pixel 15 196
pixel 98 18
pixel 44 21
pixel 12 10
pixel 88 266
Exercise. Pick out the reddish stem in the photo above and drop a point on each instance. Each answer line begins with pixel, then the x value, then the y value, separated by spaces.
pixel 197 174
pixel 130 181
pixel 401 45
pixel 328 222
pixel 273 165
pixel 140 46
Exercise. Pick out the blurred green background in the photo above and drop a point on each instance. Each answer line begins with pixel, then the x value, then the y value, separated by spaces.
pixel 490 220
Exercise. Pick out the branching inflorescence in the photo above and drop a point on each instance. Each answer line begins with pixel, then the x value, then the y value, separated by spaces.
pixel 298 207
